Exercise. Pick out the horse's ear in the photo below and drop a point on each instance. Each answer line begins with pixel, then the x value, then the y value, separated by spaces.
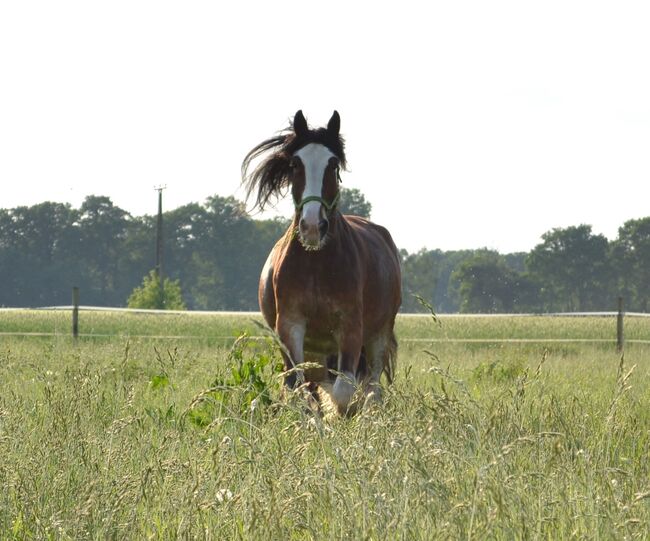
pixel 334 125
pixel 300 124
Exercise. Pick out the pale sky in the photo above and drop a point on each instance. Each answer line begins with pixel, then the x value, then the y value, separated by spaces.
pixel 468 123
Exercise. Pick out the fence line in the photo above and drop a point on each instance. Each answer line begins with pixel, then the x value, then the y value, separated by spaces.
pixel 620 314
pixel 230 338
pixel 245 313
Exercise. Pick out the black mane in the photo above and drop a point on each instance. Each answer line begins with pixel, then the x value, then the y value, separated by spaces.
pixel 271 175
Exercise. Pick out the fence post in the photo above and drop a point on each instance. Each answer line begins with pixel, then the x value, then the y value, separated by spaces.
pixel 619 326
pixel 75 312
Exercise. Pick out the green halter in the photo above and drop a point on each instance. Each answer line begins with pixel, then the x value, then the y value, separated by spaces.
pixel 329 206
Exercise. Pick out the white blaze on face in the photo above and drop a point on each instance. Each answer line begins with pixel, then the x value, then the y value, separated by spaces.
pixel 315 158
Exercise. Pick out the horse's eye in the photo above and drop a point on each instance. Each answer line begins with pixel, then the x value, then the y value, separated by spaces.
pixel 294 162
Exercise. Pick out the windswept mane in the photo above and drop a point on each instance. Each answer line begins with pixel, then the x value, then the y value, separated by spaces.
pixel 271 175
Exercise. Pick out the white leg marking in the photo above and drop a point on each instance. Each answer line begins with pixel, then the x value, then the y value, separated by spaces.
pixel 344 388
pixel 297 340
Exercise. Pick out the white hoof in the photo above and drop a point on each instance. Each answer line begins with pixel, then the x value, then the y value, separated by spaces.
pixel 343 390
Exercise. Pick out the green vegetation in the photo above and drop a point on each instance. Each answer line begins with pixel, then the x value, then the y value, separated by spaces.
pixel 150 295
pixel 572 269
pixel 216 250
pixel 126 437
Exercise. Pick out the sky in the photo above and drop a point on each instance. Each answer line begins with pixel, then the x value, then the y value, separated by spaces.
pixel 468 124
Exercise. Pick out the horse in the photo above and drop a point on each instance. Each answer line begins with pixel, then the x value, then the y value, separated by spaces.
pixel 331 286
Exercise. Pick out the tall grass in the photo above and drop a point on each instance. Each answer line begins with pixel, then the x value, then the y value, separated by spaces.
pixel 474 441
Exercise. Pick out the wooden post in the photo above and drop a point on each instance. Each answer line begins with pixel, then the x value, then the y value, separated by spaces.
pixel 619 326
pixel 159 249
pixel 75 312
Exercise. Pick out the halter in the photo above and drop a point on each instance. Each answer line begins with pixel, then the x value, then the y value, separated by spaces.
pixel 329 206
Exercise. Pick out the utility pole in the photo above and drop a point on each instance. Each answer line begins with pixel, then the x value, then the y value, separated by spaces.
pixel 159 245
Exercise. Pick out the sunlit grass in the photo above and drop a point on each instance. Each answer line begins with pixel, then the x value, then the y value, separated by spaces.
pixel 474 441
pixel 220 327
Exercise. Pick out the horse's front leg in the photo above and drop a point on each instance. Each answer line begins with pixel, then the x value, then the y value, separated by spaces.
pixel 350 343
pixel 292 336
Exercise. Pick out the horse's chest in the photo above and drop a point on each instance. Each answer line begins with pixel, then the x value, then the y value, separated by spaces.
pixel 320 299
pixel 319 291
pixel 321 307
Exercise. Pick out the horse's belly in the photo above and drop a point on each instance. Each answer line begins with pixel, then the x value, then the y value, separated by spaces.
pixel 320 345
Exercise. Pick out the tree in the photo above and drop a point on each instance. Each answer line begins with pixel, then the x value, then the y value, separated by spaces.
pixel 226 260
pixel 355 203
pixel 36 254
pixel 102 231
pixel 149 296
pixel 488 285
pixel 631 258
pixel 573 269
pixel 420 273
pixel 217 251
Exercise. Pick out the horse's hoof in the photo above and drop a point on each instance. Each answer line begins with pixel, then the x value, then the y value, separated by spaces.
pixel 343 390
pixel 373 398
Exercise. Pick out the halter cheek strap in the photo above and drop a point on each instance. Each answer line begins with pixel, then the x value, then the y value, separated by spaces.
pixel 329 206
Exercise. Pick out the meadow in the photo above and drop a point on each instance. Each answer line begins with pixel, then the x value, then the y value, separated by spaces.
pixel 167 427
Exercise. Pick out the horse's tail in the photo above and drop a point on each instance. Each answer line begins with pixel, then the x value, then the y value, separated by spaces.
pixel 390 357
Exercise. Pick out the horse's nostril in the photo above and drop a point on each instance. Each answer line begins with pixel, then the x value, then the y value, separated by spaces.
pixel 302 225
pixel 322 227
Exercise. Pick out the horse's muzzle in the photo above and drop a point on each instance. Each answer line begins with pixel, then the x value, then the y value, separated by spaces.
pixel 312 235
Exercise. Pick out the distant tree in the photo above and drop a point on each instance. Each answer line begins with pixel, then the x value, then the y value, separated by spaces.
pixel 184 236
pixel 487 284
pixel 102 231
pixel 516 261
pixel 631 258
pixel 227 258
pixel 36 254
pixel 573 268
pixel 420 272
pixel 149 296
pixel 447 298
pixel 433 274
pixel 217 251
pixel 353 202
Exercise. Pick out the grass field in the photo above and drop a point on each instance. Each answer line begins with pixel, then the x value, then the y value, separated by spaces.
pixel 161 429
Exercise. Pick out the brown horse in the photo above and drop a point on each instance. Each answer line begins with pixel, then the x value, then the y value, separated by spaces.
pixel 331 285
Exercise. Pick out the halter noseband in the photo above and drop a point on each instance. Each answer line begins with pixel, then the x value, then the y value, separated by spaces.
pixel 329 206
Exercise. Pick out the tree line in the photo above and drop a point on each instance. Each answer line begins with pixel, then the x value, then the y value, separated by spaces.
pixel 215 251
pixel 571 270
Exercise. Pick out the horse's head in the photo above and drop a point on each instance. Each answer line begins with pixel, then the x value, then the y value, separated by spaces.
pixel 307 160
pixel 315 181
